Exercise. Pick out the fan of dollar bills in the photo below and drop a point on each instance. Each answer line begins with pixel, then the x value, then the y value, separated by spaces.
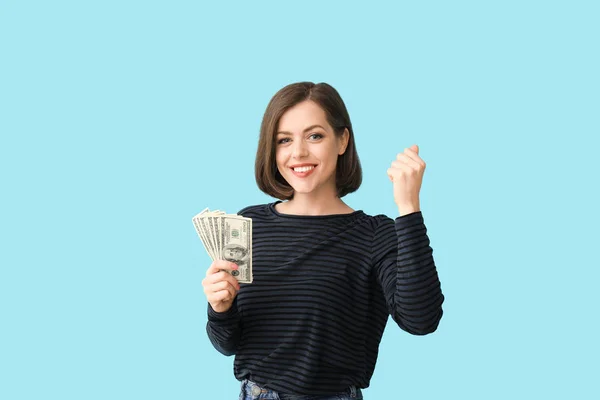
pixel 227 237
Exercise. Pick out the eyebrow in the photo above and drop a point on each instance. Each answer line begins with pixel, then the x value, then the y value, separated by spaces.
pixel 306 130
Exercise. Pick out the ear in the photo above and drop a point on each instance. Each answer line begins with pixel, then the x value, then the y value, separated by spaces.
pixel 343 141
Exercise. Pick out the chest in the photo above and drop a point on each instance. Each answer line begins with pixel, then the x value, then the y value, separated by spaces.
pixel 307 271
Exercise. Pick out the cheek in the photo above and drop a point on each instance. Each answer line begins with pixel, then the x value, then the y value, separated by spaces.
pixel 280 158
pixel 330 154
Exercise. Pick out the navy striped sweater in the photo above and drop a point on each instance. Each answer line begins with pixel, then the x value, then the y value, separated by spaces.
pixel 324 286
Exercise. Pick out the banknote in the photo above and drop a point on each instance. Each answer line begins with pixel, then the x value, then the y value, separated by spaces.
pixel 227 237
pixel 236 244
pixel 201 233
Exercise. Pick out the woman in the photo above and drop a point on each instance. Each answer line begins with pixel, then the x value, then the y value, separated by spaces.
pixel 326 277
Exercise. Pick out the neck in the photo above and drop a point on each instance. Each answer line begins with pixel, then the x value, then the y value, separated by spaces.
pixel 316 204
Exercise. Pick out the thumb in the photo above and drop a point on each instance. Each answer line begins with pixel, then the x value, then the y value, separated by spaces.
pixel 415 148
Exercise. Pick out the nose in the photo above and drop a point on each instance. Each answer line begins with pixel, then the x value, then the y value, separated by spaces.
pixel 299 149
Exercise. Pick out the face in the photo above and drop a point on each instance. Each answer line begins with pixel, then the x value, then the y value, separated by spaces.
pixel 234 253
pixel 307 149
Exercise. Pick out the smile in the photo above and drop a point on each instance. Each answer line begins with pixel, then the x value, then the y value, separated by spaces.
pixel 302 171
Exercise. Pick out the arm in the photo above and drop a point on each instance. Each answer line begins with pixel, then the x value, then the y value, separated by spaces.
pixel 221 289
pixel 224 329
pixel 406 271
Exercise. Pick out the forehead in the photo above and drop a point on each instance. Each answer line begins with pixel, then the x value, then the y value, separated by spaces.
pixel 302 115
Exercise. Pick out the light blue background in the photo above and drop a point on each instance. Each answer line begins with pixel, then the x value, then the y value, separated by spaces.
pixel 121 120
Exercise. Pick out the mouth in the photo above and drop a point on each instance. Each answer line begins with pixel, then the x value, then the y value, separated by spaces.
pixel 303 170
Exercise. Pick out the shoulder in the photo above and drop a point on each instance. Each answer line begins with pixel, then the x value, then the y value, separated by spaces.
pixel 372 226
pixel 381 231
pixel 379 221
pixel 255 210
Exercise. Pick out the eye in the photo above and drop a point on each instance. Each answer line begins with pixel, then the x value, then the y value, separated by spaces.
pixel 283 140
pixel 316 136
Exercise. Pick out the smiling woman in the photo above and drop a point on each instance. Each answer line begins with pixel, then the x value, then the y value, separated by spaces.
pixel 326 277
pixel 306 126
pixel 312 151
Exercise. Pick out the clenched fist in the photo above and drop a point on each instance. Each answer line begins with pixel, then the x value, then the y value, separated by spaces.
pixel 220 286
pixel 407 174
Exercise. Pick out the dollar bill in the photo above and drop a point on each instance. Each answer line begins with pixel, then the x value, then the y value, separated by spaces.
pixel 208 236
pixel 227 237
pixel 236 242
pixel 201 232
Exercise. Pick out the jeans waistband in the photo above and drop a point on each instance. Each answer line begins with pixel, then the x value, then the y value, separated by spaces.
pixel 252 390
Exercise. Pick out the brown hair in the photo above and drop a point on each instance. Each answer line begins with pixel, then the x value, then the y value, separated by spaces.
pixel 348 170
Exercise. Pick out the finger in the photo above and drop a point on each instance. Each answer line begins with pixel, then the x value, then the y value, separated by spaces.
pixel 390 173
pixel 233 282
pixel 219 265
pixel 221 295
pixel 396 172
pixel 214 288
pixel 222 276
pixel 224 285
pixel 414 155
pixel 232 292
pixel 403 167
pixel 402 157
pixel 218 277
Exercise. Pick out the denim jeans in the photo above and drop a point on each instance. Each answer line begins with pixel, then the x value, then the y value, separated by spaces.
pixel 252 391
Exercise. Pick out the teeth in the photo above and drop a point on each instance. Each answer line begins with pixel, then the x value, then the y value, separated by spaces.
pixel 304 169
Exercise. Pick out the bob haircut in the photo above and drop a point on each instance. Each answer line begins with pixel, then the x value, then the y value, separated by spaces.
pixel 348 170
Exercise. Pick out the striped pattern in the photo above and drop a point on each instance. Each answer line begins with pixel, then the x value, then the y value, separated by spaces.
pixel 312 320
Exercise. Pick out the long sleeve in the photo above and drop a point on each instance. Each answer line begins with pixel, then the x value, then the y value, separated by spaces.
pixel 224 329
pixel 407 273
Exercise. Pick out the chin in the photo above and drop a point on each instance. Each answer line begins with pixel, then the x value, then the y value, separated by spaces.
pixel 302 189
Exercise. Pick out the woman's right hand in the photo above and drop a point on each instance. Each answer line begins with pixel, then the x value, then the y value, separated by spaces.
pixel 220 287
